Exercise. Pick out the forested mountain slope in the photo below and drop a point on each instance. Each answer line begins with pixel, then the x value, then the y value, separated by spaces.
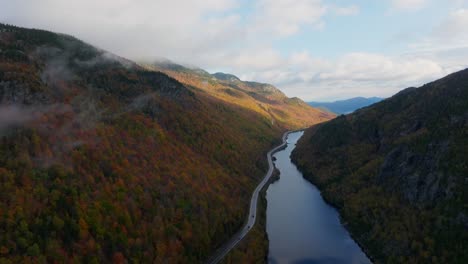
pixel 397 171
pixel 102 160
pixel 262 98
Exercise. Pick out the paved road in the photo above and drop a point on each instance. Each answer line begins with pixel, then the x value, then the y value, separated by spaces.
pixel 234 240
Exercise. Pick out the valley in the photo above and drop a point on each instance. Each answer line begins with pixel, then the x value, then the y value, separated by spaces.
pixel 252 216
pixel 102 160
pixel 111 153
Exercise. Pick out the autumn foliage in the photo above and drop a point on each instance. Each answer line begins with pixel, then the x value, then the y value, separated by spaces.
pixel 104 161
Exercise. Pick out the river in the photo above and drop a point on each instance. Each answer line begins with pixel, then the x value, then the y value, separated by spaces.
pixel 301 227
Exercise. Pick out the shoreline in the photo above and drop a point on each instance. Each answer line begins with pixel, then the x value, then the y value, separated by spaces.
pixel 333 205
pixel 230 244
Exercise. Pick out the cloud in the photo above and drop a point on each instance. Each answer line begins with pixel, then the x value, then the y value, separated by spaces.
pixel 363 74
pixel 454 28
pixel 408 4
pixel 133 28
pixel 287 17
pixel 190 31
pixel 260 40
pixel 13 115
pixel 368 67
pixel 256 59
pixel 351 10
pixel 447 42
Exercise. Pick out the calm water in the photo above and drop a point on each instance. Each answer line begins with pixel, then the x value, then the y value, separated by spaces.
pixel 301 227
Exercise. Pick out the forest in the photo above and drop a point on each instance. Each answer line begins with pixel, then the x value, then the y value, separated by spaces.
pixel 397 170
pixel 102 160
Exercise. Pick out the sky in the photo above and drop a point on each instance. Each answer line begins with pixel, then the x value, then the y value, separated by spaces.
pixel 317 50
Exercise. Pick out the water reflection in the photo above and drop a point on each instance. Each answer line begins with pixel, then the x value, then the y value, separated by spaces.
pixel 301 227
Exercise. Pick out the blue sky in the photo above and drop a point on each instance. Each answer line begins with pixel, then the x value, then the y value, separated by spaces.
pixel 376 28
pixel 313 49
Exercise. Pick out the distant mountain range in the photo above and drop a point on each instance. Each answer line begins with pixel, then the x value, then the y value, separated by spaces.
pixel 346 106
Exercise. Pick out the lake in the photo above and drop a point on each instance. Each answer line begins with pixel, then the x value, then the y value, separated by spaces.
pixel 301 227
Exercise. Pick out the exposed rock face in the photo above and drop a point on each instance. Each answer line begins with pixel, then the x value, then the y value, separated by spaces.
pixel 416 176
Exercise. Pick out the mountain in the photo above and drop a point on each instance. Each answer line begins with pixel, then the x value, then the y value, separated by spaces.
pixel 264 99
pixel 102 160
pixel 397 172
pixel 346 106
pixel 226 77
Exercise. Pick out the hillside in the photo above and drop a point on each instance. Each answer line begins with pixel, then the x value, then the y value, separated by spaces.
pixel 262 98
pixel 346 106
pixel 102 160
pixel 397 171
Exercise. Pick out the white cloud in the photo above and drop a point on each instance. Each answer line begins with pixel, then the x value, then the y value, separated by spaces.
pixel 366 67
pixel 254 59
pixel 447 43
pixel 363 74
pixel 216 34
pixel 454 28
pixel 351 10
pixel 460 3
pixel 408 4
pixel 133 28
pixel 287 17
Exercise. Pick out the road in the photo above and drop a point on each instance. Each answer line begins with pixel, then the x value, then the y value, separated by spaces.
pixel 236 238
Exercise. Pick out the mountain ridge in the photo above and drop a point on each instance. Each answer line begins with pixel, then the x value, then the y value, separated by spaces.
pixel 397 170
pixel 102 160
pixel 346 106
pixel 262 98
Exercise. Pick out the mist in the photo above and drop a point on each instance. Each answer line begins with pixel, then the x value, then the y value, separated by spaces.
pixel 15 115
